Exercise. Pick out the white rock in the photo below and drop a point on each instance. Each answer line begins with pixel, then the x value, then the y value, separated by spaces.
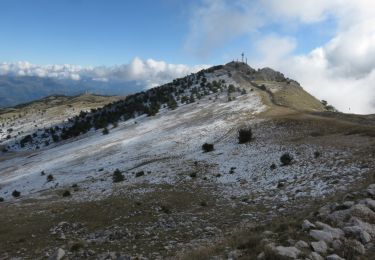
pixel 319 247
pixel 363 212
pixel 261 256
pixel 358 233
pixel 307 225
pixel 348 204
pixel 369 203
pixel 364 237
pixel 334 257
pixel 356 246
pixel 337 244
pixel 59 254
pixel 371 190
pixel 301 244
pixel 315 256
pixel 369 228
pixel 291 252
pixel 336 232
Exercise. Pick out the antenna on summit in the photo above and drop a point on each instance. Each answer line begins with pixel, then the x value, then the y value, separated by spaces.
pixel 242 56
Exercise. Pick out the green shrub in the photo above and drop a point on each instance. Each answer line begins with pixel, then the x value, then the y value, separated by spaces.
pixel 66 193
pixel 16 193
pixel 245 135
pixel 118 176
pixel 206 147
pixel 193 175
pixel 105 131
pixel 139 174
pixel 286 159
pixel 50 178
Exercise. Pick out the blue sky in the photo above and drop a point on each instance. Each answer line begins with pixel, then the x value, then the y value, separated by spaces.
pixel 327 46
pixel 108 32
pixel 92 32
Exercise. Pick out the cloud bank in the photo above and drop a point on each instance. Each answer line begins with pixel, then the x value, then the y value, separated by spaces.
pixel 146 73
pixel 342 70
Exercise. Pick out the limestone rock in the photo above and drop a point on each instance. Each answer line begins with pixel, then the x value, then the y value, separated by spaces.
pixel 334 257
pixel 370 203
pixel 301 244
pixel 315 256
pixel 59 254
pixel 319 247
pixel 355 246
pixel 307 225
pixel 371 190
pixel 291 252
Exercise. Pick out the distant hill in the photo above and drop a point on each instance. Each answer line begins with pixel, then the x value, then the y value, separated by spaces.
pixel 16 89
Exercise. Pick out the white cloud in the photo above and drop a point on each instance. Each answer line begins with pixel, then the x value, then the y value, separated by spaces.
pixel 146 73
pixel 342 70
pixel 217 22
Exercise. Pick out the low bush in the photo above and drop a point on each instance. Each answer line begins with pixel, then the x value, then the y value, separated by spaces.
pixel 193 175
pixel 316 154
pixel 166 208
pixel 1 199
pixel 16 193
pixel 245 135
pixel 206 147
pixel 105 131
pixel 50 178
pixel 286 159
pixel 66 193
pixel 118 176
pixel 139 174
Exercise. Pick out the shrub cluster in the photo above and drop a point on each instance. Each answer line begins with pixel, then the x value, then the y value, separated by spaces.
pixel 50 178
pixel 118 176
pixel 16 193
pixel 286 159
pixel 206 147
pixel 245 135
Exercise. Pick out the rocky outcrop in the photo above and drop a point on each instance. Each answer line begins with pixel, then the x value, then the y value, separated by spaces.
pixel 349 235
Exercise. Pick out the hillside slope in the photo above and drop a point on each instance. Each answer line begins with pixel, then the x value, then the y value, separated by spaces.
pixel 146 188
pixel 25 119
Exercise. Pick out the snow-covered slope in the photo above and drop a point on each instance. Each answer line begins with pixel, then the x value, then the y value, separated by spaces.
pixel 167 148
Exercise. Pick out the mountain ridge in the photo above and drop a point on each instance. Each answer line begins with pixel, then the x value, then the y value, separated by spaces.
pixel 275 89
pixel 183 167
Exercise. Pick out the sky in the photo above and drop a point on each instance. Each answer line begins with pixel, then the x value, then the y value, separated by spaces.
pixel 327 46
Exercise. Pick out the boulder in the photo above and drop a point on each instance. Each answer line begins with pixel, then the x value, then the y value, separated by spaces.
pixel 315 256
pixel 307 225
pixel 371 191
pixel 328 234
pixel 358 233
pixel 370 203
pixel 59 254
pixel 369 228
pixel 301 244
pixel 321 235
pixel 348 204
pixel 319 247
pixel 334 257
pixel 337 244
pixel 291 252
pixel 363 212
pixel 354 245
pixel 339 216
